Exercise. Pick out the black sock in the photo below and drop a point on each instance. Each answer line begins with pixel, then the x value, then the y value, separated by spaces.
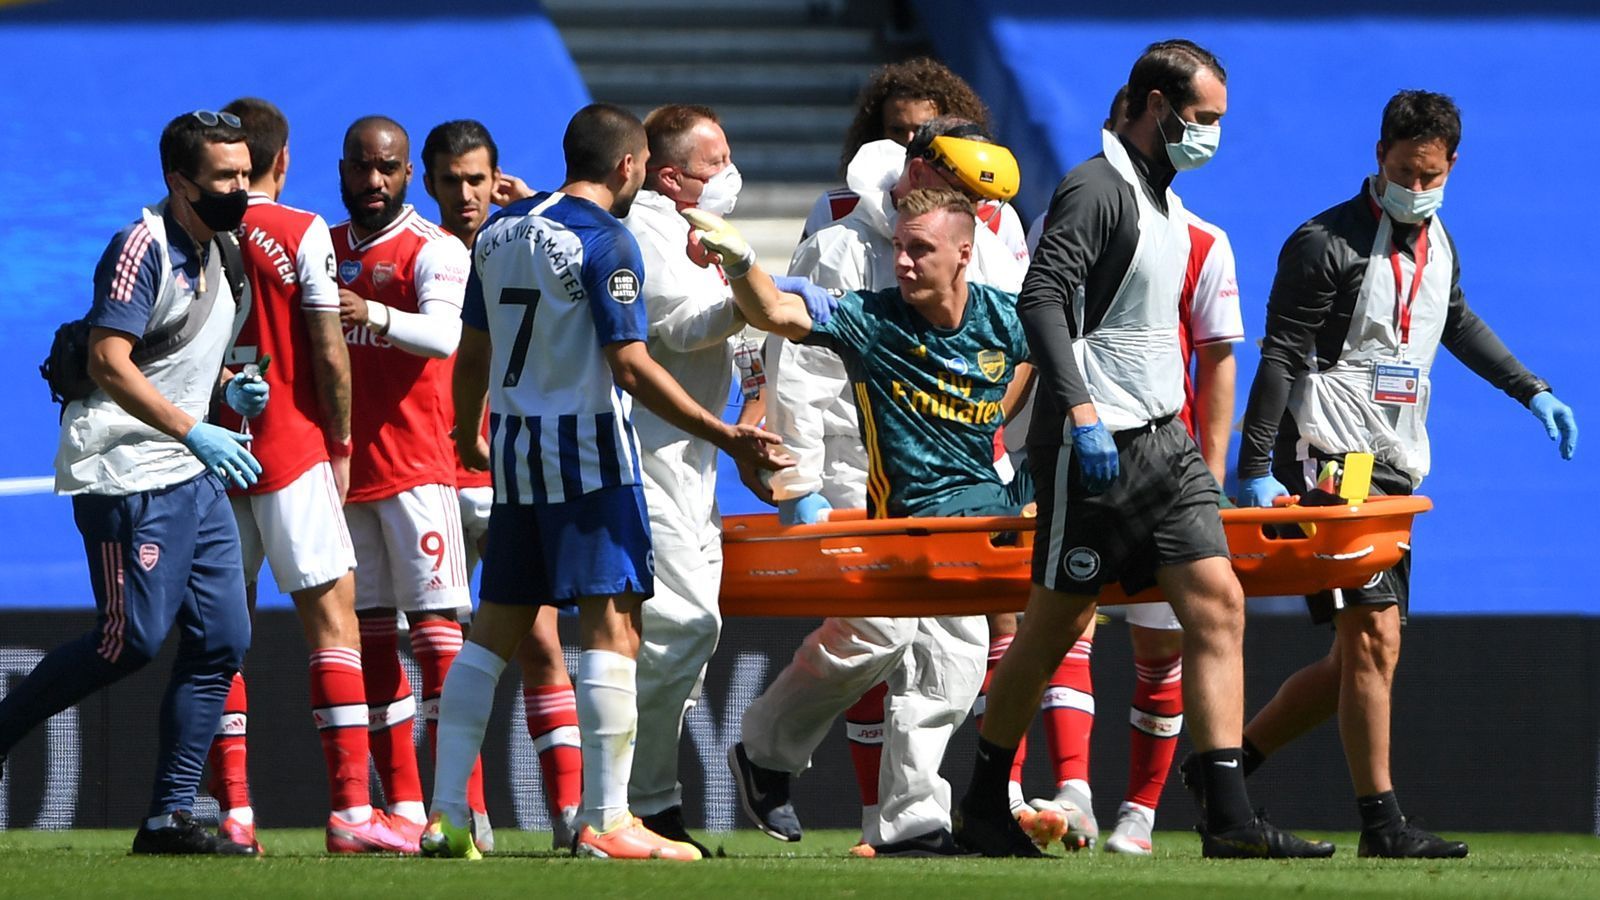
pixel 1253 757
pixel 1380 812
pixel 1227 802
pixel 991 773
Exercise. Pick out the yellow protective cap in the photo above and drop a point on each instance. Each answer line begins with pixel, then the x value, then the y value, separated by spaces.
pixel 988 170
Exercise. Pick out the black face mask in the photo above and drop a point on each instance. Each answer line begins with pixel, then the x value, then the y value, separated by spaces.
pixel 220 212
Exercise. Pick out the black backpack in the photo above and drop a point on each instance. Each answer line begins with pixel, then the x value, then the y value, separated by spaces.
pixel 66 369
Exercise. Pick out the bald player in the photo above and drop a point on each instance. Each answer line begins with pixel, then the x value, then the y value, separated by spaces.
pixel 401 281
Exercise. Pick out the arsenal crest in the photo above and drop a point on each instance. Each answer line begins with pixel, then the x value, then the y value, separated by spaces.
pixel 382 274
pixel 992 363
pixel 149 555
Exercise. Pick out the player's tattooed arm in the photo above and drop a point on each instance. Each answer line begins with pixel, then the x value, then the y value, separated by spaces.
pixel 330 366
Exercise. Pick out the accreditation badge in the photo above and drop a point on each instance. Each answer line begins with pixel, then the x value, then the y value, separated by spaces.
pixel 1396 384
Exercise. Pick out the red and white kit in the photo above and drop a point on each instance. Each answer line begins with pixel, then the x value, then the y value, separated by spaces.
pixel 402 507
pixel 292 516
pixel 1208 308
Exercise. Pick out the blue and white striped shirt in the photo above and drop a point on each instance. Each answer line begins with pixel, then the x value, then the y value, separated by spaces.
pixel 554 279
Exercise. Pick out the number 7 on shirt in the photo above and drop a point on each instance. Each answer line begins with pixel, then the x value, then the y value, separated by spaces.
pixel 527 297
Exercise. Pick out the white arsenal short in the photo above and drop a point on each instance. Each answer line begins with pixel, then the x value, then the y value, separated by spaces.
pixel 475 505
pixel 299 529
pixel 410 551
pixel 1155 616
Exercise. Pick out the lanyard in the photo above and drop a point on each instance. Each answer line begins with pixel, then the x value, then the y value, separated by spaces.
pixel 1403 299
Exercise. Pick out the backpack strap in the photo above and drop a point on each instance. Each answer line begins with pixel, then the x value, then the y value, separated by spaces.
pixel 173 336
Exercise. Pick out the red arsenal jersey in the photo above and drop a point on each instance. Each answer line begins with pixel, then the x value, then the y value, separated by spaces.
pixel 400 404
pixel 288 257
pixel 1208 308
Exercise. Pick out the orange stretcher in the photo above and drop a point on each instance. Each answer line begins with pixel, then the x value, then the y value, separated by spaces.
pixel 855 566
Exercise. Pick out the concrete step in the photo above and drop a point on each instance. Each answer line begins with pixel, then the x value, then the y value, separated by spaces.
pixel 823 84
pixel 780 200
pixel 818 124
pixel 795 124
pixel 719 46
pixel 766 160
pixel 706 13
pixel 773 239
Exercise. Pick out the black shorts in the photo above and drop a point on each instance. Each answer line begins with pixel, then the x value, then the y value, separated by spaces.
pixel 1391 587
pixel 1161 511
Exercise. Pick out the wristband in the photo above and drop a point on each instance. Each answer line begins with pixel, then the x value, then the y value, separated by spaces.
pixel 372 318
pixel 341 449
pixel 739 268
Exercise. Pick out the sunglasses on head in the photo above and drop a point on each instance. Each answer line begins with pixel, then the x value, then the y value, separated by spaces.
pixel 210 119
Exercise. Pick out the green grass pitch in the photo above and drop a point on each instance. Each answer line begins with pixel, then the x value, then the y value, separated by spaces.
pixel 96 863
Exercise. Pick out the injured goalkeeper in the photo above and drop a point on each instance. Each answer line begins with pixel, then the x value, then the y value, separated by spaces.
pixel 937 366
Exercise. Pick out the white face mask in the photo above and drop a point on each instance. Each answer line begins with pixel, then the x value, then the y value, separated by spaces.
pixel 721 191
pixel 1408 206
pixel 1198 144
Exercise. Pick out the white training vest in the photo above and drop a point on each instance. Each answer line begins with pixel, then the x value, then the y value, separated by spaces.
pixel 102 448
pixel 1334 409
pixel 1131 363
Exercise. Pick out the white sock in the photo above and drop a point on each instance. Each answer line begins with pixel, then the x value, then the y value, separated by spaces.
pixel 156 823
pixel 411 810
pixel 464 707
pixel 608 720
pixel 1143 812
pixel 355 815
pixel 244 815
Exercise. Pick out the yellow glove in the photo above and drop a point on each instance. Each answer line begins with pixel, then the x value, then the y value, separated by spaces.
pixel 716 235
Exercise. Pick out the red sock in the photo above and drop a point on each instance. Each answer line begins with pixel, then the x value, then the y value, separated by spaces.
pixel 339 707
pixel 1157 719
pixel 230 778
pixel 863 726
pixel 552 711
pixel 390 709
pixel 1069 713
pixel 434 645
pixel 998 645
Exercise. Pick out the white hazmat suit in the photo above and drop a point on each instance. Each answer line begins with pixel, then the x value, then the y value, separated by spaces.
pixel 694 329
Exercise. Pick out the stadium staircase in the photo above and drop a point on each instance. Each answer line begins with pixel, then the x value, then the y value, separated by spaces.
pixel 782 75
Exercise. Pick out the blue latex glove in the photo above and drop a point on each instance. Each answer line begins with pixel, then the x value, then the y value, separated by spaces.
pixel 1559 422
pixel 805 510
pixel 1097 456
pixel 224 453
pixel 245 395
pixel 820 302
pixel 1260 491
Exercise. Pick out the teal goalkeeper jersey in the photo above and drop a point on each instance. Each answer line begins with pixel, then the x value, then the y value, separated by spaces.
pixel 928 399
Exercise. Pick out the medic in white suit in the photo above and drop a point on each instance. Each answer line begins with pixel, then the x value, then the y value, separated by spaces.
pixel 694 330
